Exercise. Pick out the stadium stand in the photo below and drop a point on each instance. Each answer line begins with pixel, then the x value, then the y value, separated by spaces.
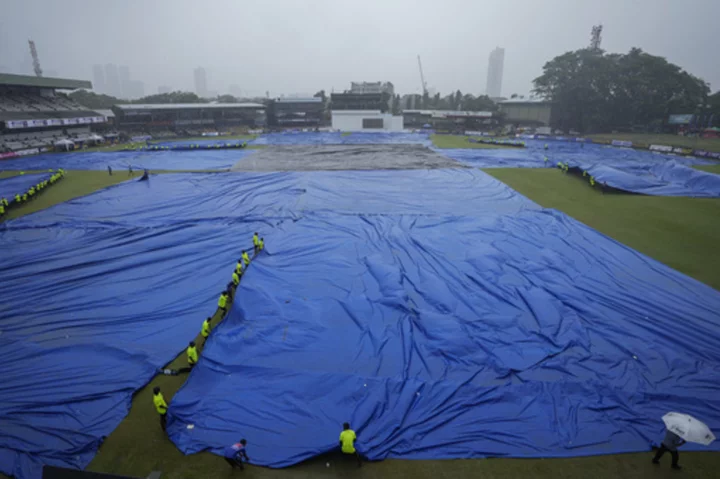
pixel 34 115
pixel 168 120
pixel 296 112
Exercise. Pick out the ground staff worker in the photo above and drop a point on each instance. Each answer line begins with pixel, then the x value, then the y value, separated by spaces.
pixel 235 279
pixel 205 331
pixel 256 242
pixel 347 442
pixel 222 302
pixel 239 267
pixel 192 354
pixel 160 407
pixel 245 258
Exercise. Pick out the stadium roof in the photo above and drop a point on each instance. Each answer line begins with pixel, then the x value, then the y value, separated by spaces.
pixel 188 106
pixel 299 100
pixel 9 79
pixel 446 113
pixel 105 113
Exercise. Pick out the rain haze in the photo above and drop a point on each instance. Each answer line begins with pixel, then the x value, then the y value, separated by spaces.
pixel 299 47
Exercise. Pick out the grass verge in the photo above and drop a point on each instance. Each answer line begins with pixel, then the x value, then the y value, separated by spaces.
pixel 459 141
pixel 709 144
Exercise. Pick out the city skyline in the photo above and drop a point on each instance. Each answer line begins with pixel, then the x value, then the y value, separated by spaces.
pixel 496 65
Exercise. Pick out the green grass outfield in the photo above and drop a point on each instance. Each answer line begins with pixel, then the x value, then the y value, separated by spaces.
pixel 681 232
pixel 709 144
pixel 460 141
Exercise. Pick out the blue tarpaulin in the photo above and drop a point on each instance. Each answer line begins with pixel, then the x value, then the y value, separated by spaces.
pixel 209 142
pixel 665 179
pixel 213 159
pixel 494 328
pixel 438 311
pixel 97 293
pixel 19 184
pixel 337 138
pixel 534 156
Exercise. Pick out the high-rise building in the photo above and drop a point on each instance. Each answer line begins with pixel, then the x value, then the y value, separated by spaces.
pixel 495 72
pixel 99 79
pixel 136 89
pixel 112 80
pixel 200 82
pixel 125 86
pixel 164 89
pixel 235 90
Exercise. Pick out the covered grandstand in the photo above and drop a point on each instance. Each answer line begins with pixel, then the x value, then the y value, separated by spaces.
pixel 34 115
pixel 181 118
pixel 450 120
pixel 296 112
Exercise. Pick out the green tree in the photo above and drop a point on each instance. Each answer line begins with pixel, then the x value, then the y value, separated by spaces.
pixel 172 97
pixel 396 105
pixel 227 99
pixel 595 91
pixel 321 95
pixel 714 108
pixel 94 101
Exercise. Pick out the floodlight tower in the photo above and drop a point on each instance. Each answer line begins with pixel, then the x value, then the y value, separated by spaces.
pixel 36 61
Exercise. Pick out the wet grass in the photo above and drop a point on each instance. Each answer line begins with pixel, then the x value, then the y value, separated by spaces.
pixel 709 144
pixel 460 141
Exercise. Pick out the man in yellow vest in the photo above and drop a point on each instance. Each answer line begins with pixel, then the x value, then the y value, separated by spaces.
pixel 347 442
pixel 222 302
pixel 205 331
pixel 160 407
pixel 235 279
pixel 31 192
pixel 261 244
pixel 5 202
pixel 2 210
pixel 24 197
pixel 192 354
pixel 18 198
pixel 239 267
pixel 245 258
pixel 256 243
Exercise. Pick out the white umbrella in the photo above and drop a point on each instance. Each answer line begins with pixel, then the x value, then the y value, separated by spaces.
pixel 688 428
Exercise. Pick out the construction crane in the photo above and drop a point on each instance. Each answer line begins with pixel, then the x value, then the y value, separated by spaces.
pixel 36 61
pixel 422 77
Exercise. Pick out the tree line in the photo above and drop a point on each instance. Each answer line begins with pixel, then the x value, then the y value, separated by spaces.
pixel 99 101
pixel 593 91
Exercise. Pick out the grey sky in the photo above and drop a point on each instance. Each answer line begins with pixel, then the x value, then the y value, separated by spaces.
pixel 301 46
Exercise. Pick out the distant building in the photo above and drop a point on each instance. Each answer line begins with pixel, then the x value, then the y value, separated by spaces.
pixel 365 120
pixel 112 81
pixel 164 89
pixel 200 82
pixel 136 89
pixel 372 87
pixel 125 87
pixel 296 112
pixel 496 64
pixel 235 90
pixel 526 112
pixel 99 79
pixel 364 96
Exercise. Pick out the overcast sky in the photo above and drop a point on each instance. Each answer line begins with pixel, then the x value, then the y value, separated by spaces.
pixel 302 46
